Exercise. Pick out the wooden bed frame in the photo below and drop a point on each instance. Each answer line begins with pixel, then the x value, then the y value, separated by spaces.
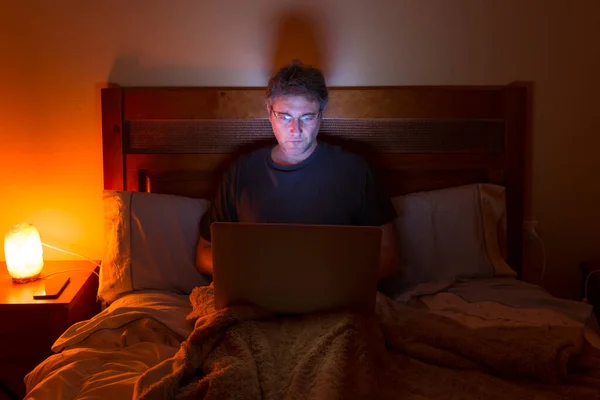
pixel 178 140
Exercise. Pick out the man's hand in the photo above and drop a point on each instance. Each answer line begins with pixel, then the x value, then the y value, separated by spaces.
pixel 204 262
pixel 389 251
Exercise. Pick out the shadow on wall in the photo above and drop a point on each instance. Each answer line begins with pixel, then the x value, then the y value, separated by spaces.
pixel 299 37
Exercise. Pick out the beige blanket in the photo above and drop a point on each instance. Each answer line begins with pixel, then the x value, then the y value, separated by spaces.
pixel 401 352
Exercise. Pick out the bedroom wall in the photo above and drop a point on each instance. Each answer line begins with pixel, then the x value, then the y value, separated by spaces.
pixel 57 55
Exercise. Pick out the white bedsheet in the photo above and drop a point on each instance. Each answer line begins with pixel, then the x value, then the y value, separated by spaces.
pixel 103 357
pixel 480 303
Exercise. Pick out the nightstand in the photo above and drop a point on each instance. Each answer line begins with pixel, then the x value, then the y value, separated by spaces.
pixel 29 327
pixel 593 285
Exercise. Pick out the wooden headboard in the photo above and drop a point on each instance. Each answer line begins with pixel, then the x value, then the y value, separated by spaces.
pixel 178 140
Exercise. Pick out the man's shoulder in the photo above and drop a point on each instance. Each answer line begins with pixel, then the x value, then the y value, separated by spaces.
pixel 339 155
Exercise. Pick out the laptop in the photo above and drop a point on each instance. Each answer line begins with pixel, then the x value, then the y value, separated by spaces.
pixel 295 269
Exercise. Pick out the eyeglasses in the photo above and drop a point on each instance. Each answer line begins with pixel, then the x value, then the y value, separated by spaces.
pixel 287 119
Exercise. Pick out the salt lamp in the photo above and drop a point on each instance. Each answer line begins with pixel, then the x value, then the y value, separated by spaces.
pixel 23 252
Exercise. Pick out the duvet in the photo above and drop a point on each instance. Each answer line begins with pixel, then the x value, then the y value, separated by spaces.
pixel 246 353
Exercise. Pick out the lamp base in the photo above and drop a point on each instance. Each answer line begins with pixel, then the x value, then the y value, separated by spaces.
pixel 26 280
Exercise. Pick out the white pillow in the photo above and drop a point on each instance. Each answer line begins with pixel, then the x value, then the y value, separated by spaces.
pixel 149 243
pixel 450 233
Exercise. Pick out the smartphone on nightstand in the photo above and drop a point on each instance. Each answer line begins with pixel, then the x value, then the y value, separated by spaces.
pixel 51 288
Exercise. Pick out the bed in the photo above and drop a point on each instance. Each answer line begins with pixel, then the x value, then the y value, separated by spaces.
pixel 454 321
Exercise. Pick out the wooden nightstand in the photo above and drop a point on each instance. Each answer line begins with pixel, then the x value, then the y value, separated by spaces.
pixel 593 285
pixel 29 327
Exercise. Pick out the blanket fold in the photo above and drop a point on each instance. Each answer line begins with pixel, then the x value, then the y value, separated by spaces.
pixel 522 352
pixel 400 352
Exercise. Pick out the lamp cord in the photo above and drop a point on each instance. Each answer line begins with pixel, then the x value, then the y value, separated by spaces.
pixel 587 281
pixel 69 270
pixel 533 232
pixel 72 269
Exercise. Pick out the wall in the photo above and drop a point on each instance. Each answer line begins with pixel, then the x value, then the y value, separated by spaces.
pixel 57 55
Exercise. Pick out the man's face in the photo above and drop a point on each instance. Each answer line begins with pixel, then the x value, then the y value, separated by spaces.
pixel 295 121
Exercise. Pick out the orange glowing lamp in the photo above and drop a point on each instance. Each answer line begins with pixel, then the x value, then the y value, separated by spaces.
pixel 23 253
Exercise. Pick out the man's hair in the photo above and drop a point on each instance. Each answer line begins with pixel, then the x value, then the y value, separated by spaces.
pixel 296 79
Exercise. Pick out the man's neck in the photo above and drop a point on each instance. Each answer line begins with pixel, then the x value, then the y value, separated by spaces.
pixel 280 157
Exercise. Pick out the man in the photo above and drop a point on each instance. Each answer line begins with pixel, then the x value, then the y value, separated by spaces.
pixel 300 180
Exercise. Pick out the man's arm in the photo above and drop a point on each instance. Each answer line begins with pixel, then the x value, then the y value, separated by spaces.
pixel 204 263
pixel 389 251
pixel 222 208
pixel 378 210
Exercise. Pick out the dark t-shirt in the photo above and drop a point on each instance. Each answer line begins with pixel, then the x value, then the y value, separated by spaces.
pixel 330 187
